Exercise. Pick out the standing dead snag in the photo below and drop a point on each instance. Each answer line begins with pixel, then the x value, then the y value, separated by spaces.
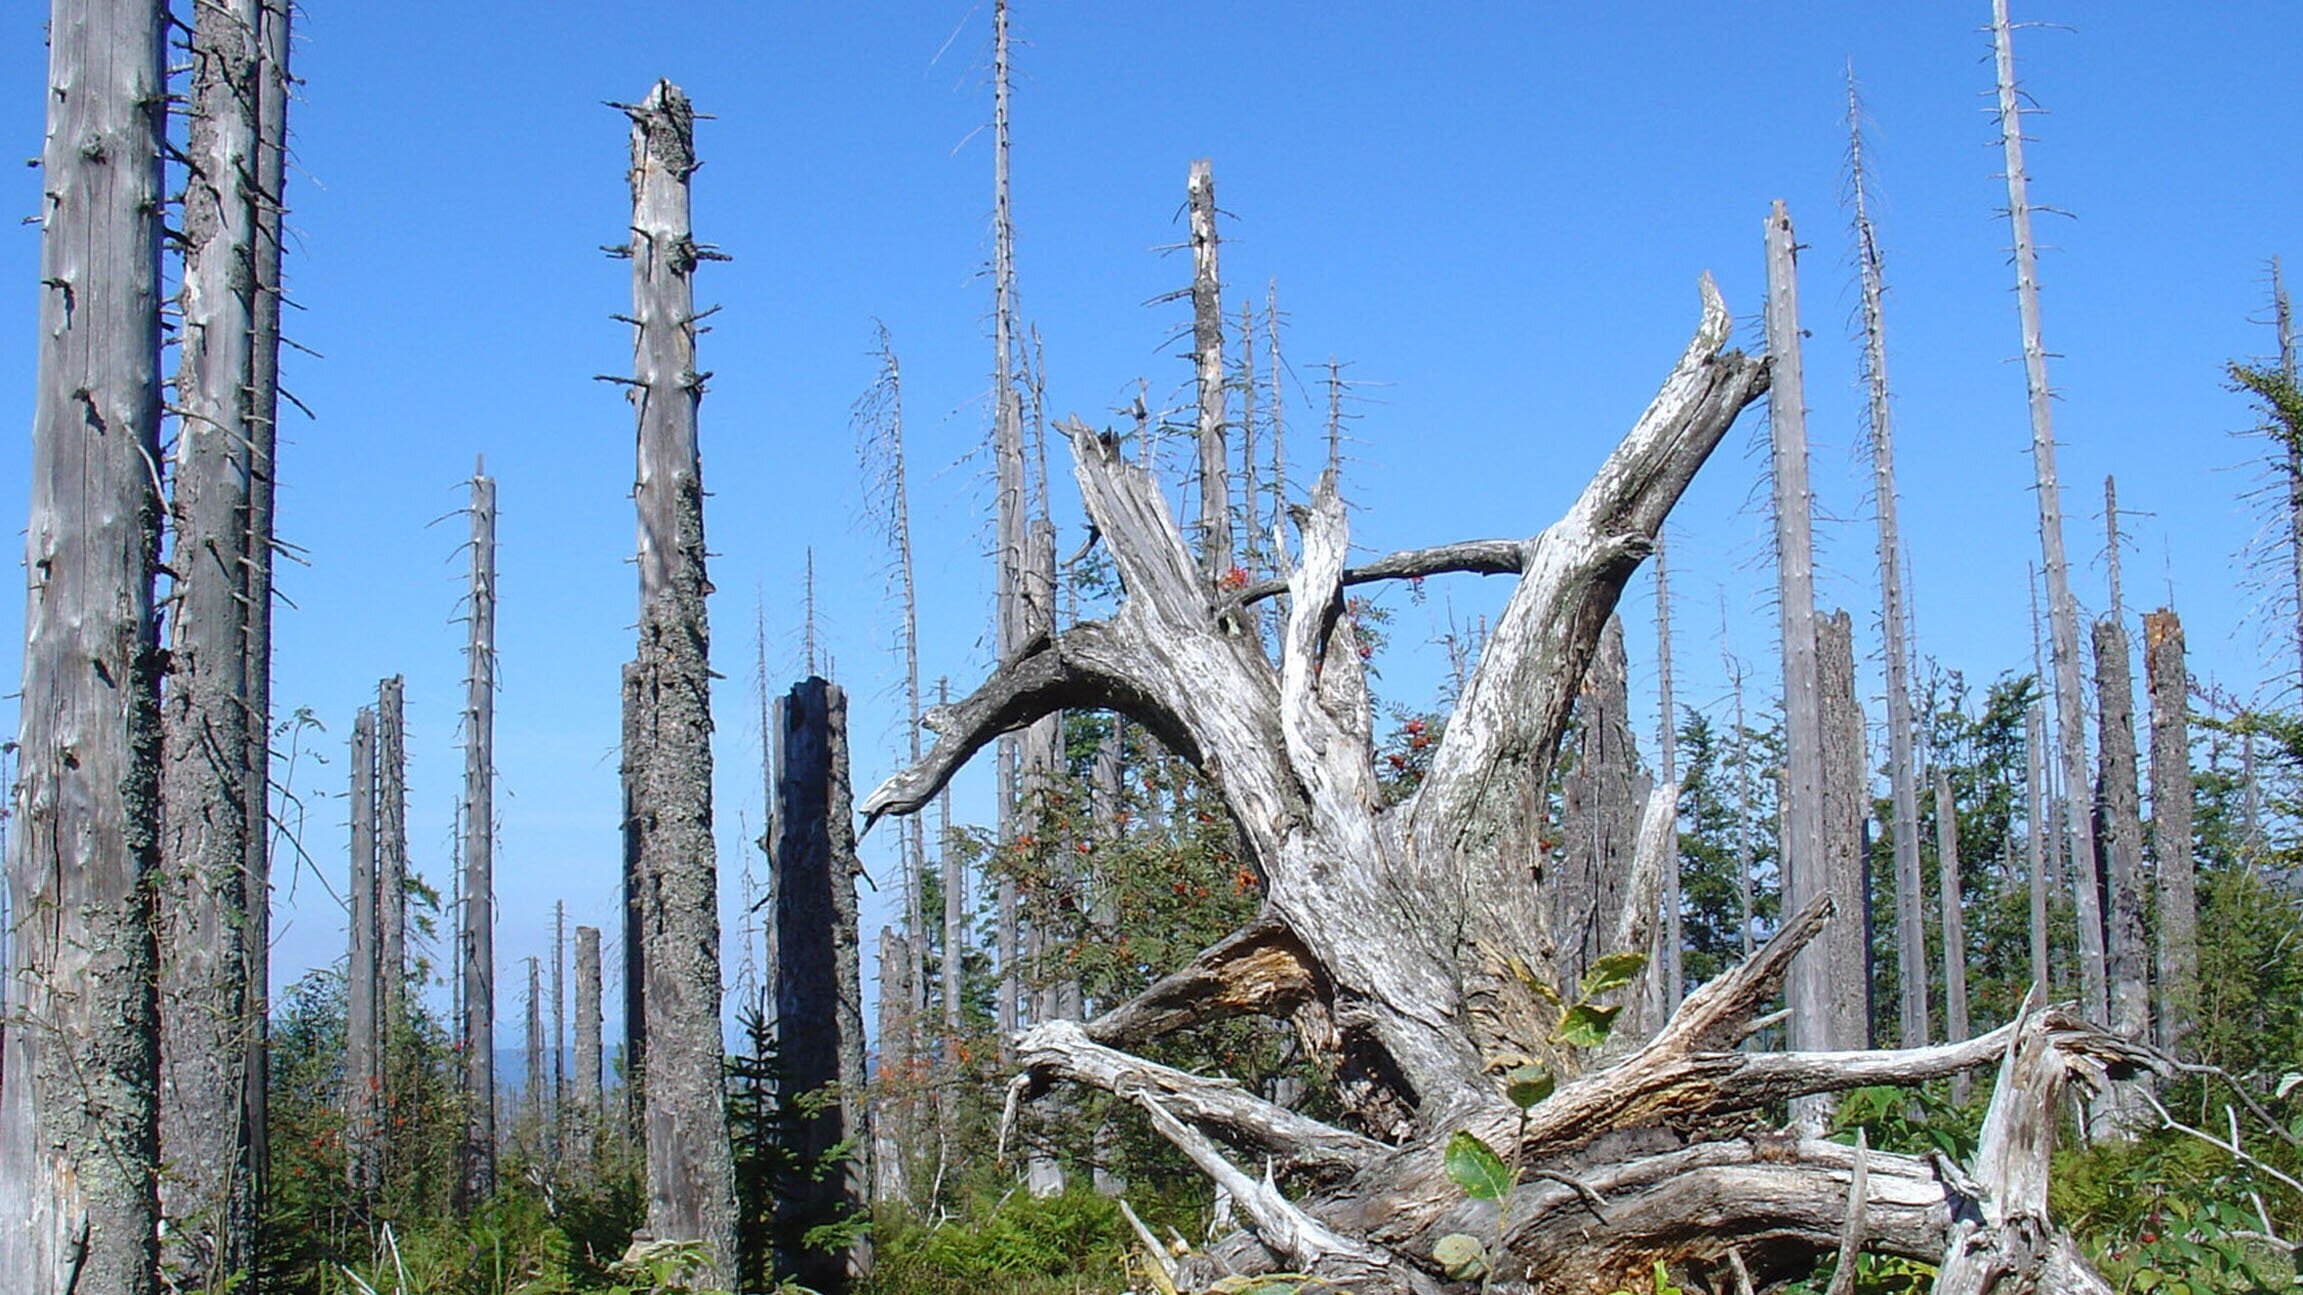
pixel 78 1121
pixel 2169 680
pixel 1954 930
pixel 1009 519
pixel 208 1000
pixel 819 993
pixel 363 1066
pixel 1207 362
pixel 478 816
pixel 584 1113
pixel 691 1177
pixel 1839 951
pixel 2062 611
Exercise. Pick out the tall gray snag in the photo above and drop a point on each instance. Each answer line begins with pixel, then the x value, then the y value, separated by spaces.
pixel 1667 744
pixel 209 802
pixel 584 1111
pixel 2062 610
pixel 690 1175
pixel 363 1061
pixel 819 992
pixel 2169 680
pixel 1902 771
pixel 478 818
pixel 1215 548
pixel 1954 928
pixel 1009 524
pixel 392 860
pixel 1839 951
pixel 2119 804
pixel 1802 807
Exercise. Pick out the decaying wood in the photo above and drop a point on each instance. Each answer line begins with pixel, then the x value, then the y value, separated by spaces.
pixel 584 1111
pixel 690 1176
pixel 1215 547
pixel 2169 680
pixel 478 848
pixel 2120 805
pixel 1954 929
pixel 1845 990
pixel 363 1059
pixel 1416 943
pixel 78 1121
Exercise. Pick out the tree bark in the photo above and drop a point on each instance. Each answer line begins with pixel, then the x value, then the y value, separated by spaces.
pixel 532 1060
pixel 637 895
pixel 1008 527
pixel 2171 790
pixel 2038 839
pixel 2062 610
pixel 1601 795
pixel 584 1121
pixel 478 1157
pixel 557 1141
pixel 1954 929
pixel 818 987
pixel 1845 987
pixel 1215 547
pixel 1667 744
pixel 208 1003
pixel 363 1063
pixel 1805 865
pixel 890 1183
pixel 690 1173
pixel 1902 774
pixel 392 869
pixel 2128 948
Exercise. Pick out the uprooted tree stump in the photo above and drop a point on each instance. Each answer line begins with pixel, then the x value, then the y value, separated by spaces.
pixel 1414 947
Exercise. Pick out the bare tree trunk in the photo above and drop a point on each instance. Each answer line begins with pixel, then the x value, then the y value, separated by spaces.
pixel 207 1005
pixel 1954 929
pixel 1215 547
pixel 2170 687
pixel 1277 404
pixel 638 894
pixel 1043 766
pixel 1667 742
pixel 584 1126
pixel 478 1178
pixel 2037 839
pixel 1743 802
pixel 1600 798
pixel 1804 863
pixel 1846 805
pixel 532 1059
pixel 691 1176
pixel 1902 775
pixel 890 1183
pixel 954 876
pixel 818 990
pixel 1251 489
pixel 1009 521
pixel 2062 610
pixel 273 82
pixel 363 1064
pixel 2122 832
pixel 392 867
pixel 557 1140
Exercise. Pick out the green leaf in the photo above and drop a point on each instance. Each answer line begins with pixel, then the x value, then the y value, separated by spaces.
pixel 1535 984
pixel 1461 1257
pixel 1474 1167
pixel 1527 1085
pixel 1616 969
pixel 1586 1025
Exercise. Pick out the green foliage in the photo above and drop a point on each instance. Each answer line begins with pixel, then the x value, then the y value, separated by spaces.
pixel 1474 1166
pixel 1019 1245
pixel 2166 1212
pixel 1912 1121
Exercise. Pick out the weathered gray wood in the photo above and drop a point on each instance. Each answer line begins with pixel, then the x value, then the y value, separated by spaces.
pixel 953 870
pixel 2169 680
pixel 1667 745
pixel 1009 525
pixel 1804 865
pixel 392 863
pixel 819 1003
pixel 363 1060
pixel 690 1173
pixel 893 1087
pixel 532 1088
pixel 1214 533
pixel 584 1112
pixel 1042 770
pixel 2127 947
pixel 1601 796
pixel 1845 990
pixel 208 1003
pixel 2062 609
pixel 632 766
pixel 1902 771
pixel 2037 837
pixel 478 817
pixel 273 87
pixel 1953 918
pixel 557 1142
pixel 1743 799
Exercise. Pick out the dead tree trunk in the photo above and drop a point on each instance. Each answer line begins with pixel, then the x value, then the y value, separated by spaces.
pixel 2178 954
pixel 392 867
pixel 953 870
pixel 478 1178
pixel 637 894
pixel 2037 839
pixel 557 1142
pixel 1667 744
pixel 1743 801
pixel 2062 610
pixel 1955 1028
pixel 2122 834
pixel 1805 863
pixel 363 1061
pixel 1009 522
pixel 272 83
pixel 1902 773
pixel 584 1121
pixel 1846 986
pixel 532 1059
pixel 890 1183
pixel 1414 943
pixel 1215 548
pixel 818 992
pixel 691 1177
pixel 1601 798
pixel 207 998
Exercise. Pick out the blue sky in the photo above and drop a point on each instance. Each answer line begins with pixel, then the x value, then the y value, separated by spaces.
pixel 1494 214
